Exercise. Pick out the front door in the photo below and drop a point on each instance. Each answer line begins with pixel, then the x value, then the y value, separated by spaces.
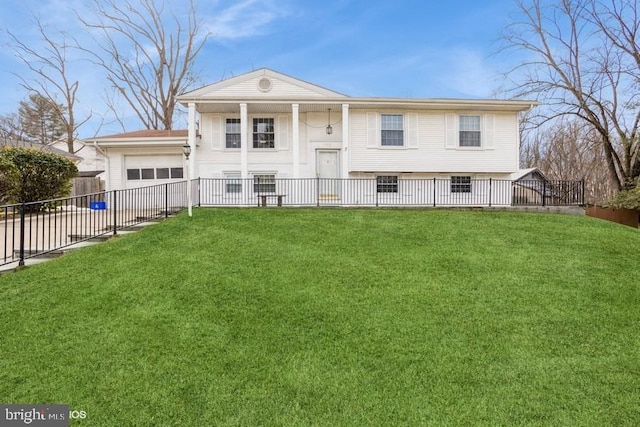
pixel 328 170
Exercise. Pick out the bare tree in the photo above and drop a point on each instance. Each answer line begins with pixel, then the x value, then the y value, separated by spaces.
pixel 148 55
pixel 569 150
pixel 582 58
pixel 11 131
pixel 52 78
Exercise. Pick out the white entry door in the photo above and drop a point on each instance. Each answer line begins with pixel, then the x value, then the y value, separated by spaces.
pixel 328 170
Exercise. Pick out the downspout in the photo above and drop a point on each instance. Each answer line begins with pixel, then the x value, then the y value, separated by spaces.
pixel 107 169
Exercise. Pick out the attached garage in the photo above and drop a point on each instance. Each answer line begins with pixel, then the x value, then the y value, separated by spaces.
pixel 143 158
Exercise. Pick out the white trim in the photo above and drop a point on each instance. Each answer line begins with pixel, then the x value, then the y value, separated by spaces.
pixel 295 143
pixel 244 151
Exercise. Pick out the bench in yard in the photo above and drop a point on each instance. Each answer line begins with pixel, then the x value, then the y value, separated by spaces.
pixel 264 197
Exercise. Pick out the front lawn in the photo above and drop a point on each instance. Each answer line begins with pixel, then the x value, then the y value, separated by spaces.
pixel 334 317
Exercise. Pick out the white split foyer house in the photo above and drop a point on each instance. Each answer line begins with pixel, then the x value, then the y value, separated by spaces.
pixel 269 126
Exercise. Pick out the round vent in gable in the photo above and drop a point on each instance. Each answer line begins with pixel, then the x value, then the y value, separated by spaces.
pixel 265 84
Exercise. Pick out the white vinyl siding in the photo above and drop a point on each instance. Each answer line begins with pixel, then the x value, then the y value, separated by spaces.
pixel 435 147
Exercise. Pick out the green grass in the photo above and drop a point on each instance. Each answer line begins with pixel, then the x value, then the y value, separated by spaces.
pixel 334 317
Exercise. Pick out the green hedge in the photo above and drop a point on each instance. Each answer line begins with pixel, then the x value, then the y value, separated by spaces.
pixel 40 175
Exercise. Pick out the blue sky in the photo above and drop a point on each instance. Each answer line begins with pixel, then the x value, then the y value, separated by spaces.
pixel 401 48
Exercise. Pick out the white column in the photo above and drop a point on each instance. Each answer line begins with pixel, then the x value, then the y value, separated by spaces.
pixel 191 139
pixel 244 142
pixel 345 140
pixel 295 146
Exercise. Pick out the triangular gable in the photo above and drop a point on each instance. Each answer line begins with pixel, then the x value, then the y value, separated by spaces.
pixel 528 174
pixel 263 83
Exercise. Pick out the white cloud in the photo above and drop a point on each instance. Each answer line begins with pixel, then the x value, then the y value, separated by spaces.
pixel 245 19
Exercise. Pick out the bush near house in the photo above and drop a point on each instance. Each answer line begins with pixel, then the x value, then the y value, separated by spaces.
pixel 627 199
pixel 41 175
pixel 9 181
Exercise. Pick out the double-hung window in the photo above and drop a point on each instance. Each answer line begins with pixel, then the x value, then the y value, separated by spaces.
pixel 233 183
pixel 263 133
pixel 387 184
pixel 460 184
pixel 392 126
pixel 264 183
pixel 233 133
pixel 470 131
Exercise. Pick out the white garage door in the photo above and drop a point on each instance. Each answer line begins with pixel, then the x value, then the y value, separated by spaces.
pixel 142 171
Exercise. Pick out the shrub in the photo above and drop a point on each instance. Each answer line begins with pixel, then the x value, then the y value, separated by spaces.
pixel 628 199
pixel 9 181
pixel 41 175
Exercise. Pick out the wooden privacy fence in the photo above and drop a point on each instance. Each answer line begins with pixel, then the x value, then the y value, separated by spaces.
pixel 85 185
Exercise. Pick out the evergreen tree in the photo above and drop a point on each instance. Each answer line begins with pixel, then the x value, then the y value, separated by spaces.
pixel 41 119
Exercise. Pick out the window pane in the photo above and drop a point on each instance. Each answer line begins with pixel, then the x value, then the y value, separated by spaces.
pixel 133 174
pixel 177 173
pixel 392 130
pixel 148 174
pixel 233 183
pixel 392 138
pixel 470 131
pixel 264 183
pixel 387 184
pixel 233 140
pixel 233 133
pixel 263 133
pixel 461 184
pixel 162 173
pixel 392 122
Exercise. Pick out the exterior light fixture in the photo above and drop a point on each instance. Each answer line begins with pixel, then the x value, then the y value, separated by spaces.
pixel 329 128
pixel 186 149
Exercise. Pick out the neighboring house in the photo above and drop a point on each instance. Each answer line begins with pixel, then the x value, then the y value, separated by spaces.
pixel 92 161
pixel 266 126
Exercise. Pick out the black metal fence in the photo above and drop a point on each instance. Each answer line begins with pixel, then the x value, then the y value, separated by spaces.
pixel 386 191
pixel 34 229
pixel 28 230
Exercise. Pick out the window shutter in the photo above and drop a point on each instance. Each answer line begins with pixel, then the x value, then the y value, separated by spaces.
pixel 412 130
pixel 373 133
pixel 217 133
pixel 451 131
pixel 282 133
pixel 489 132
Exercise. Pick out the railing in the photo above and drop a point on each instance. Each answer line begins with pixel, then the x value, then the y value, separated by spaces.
pixel 34 229
pixel 399 192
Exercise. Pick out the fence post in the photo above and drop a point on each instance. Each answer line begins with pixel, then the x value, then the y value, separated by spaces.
pixel 489 192
pixel 317 191
pixel 434 191
pixel 23 208
pixel 166 200
pixel 544 192
pixel 115 212
pixel 199 195
pixel 582 202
